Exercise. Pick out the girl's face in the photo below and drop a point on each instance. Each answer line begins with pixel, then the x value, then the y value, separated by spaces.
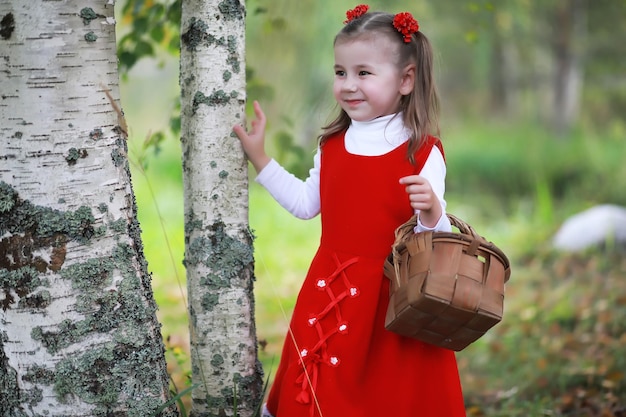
pixel 368 82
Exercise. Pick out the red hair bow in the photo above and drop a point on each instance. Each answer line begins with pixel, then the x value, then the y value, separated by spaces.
pixel 357 12
pixel 406 25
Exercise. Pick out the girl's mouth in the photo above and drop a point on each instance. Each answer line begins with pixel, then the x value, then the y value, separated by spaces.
pixel 353 103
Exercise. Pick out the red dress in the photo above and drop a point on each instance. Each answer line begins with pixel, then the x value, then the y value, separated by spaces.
pixel 338 360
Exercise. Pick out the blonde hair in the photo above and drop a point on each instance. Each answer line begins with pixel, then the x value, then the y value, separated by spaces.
pixel 420 108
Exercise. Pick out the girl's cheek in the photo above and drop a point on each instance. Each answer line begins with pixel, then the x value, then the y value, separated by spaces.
pixel 336 90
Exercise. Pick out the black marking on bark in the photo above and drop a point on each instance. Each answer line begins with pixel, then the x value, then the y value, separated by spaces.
pixel 7 26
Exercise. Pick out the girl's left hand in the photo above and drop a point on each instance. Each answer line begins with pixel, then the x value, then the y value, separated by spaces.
pixel 423 198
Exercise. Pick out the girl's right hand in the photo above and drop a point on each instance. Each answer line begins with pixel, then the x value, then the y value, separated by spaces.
pixel 423 198
pixel 253 141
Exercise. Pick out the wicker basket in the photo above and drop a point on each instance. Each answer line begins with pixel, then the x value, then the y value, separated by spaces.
pixel 447 288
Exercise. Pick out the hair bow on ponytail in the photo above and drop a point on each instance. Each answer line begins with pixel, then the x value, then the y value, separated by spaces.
pixel 406 25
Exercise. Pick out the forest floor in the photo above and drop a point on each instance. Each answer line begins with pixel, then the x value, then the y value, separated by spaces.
pixel 561 347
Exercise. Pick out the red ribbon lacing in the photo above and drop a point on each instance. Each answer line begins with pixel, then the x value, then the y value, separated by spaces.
pixel 311 359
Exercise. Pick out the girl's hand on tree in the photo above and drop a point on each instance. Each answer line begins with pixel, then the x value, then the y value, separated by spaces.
pixel 423 198
pixel 253 141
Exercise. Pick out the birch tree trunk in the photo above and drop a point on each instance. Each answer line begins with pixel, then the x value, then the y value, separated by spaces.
pixel 218 241
pixel 78 330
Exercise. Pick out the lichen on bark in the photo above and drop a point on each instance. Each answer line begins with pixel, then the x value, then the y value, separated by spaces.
pixel 222 253
pixel 112 295
pixel 232 9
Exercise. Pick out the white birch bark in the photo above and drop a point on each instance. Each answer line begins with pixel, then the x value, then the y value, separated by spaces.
pixel 78 330
pixel 218 255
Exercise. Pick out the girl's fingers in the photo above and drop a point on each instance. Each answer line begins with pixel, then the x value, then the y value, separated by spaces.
pixel 412 179
pixel 256 126
pixel 258 112
pixel 239 131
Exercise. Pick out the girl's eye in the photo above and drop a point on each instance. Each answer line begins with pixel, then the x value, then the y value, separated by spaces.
pixel 363 73
pixel 340 73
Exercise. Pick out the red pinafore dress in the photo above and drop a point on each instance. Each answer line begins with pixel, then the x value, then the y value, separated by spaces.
pixel 338 360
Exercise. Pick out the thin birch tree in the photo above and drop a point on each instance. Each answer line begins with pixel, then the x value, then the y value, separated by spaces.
pixel 218 241
pixel 78 330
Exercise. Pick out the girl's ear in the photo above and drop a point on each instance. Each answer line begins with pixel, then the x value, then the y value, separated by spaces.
pixel 408 79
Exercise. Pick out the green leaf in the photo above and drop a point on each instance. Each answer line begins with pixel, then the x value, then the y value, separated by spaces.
pixel 140 25
pixel 157 34
pixel 143 49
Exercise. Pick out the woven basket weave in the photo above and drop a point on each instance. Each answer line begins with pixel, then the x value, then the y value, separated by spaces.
pixel 447 288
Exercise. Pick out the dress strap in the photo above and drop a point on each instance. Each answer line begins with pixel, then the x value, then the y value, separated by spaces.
pixel 422 154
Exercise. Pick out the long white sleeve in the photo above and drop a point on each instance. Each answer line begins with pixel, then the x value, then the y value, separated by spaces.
pixel 300 198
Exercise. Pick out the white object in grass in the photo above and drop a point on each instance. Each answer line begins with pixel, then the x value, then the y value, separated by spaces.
pixel 595 226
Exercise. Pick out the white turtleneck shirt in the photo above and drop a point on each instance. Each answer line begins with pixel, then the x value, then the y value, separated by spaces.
pixel 371 138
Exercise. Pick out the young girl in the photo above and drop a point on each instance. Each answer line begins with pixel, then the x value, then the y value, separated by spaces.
pixel 376 164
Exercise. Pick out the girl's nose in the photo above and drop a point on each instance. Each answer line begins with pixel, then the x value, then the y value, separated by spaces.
pixel 350 84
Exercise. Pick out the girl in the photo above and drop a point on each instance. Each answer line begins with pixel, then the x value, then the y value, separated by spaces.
pixel 376 164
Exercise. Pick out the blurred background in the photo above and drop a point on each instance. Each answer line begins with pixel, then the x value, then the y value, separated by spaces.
pixel 533 98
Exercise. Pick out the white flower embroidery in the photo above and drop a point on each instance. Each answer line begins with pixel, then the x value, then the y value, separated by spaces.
pixel 321 283
pixel 304 352
pixel 334 361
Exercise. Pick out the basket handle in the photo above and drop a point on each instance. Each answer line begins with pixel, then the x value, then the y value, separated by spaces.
pixel 463 226
pixel 466 229
pixel 478 241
